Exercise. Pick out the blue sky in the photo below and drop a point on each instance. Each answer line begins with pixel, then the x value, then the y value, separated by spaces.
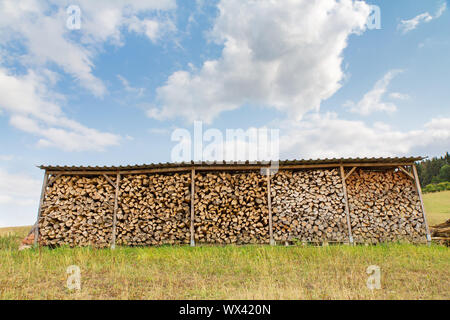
pixel 113 91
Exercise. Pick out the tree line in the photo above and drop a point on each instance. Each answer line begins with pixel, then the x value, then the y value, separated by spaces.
pixel 434 173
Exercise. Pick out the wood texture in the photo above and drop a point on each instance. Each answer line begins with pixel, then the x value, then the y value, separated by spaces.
pixel 308 205
pixel 226 207
pixel 384 206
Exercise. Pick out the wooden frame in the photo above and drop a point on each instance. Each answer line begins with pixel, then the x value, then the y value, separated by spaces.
pixel 350 173
pixel 226 168
pixel 406 172
pixel 347 209
pixel 269 204
pixel 50 177
pixel 419 191
pixel 41 202
pixel 192 207
pixel 116 205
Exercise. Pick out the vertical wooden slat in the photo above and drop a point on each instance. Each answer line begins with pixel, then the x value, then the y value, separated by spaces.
pixel 192 206
pixel 269 203
pixel 41 202
pixel 116 205
pixel 419 191
pixel 347 210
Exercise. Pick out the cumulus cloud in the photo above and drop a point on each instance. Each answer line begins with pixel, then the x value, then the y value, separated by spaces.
pixel 39 29
pixel 326 135
pixel 285 55
pixel 40 26
pixel 372 100
pixel 406 26
pixel 34 109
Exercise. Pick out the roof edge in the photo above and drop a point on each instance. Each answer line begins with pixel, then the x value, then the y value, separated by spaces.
pixel 193 164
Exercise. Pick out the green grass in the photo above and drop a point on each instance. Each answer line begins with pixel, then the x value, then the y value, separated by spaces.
pixel 230 272
pixel 437 206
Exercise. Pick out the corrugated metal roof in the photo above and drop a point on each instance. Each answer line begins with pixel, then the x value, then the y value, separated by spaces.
pixel 233 163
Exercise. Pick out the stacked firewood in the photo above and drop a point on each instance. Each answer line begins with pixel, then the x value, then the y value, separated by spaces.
pixel 77 211
pixel 384 206
pixel 441 233
pixel 154 209
pixel 308 205
pixel 231 208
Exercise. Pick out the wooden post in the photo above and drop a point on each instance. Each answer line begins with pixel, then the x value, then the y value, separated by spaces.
pixel 116 197
pixel 419 191
pixel 269 203
pixel 192 206
pixel 347 210
pixel 41 202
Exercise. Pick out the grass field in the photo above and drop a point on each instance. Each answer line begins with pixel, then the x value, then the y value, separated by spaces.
pixel 437 206
pixel 231 272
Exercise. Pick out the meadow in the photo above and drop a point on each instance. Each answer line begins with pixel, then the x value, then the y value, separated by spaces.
pixel 230 272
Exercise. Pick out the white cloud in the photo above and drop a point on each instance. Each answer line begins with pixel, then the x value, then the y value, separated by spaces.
pixel 285 55
pixel 372 100
pixel 41 27
pixel 128 88
pixel 19 197
pixel 19 189
pixel 408 25
pixel 34 109
pixel 399 96
pixel 327 136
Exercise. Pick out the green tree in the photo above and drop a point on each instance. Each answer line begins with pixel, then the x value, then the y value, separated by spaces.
pixel 444 173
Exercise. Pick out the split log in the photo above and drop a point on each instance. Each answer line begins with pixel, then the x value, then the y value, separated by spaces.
pixel 308 205
pixel 231 208
pixel 384 206
pixel 77 211
pixel 154 210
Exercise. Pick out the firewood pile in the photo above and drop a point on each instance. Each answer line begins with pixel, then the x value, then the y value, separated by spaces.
pixel 384 206
pixel 154 210
pixel 441 233
pixel 308 205
pixel 77 211
pixel 231 208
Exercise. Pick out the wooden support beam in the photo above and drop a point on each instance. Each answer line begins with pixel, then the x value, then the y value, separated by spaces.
pixel 53 179
pixel 116 205
pixel 419 191
pixel 41 203
pixel 347 209
pixel 269 203
pixel 406 172
pixel 109 180
pixel 350 173
pixel 192 207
